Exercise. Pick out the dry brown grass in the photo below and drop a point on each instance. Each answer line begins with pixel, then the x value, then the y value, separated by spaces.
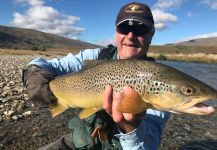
pixel 206 54
pixel 183 49
pixel 31 52
pixel 183 53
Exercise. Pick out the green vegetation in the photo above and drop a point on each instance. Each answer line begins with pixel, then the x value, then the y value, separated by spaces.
pixel 15 47
pixel 38 48
pixel 161 57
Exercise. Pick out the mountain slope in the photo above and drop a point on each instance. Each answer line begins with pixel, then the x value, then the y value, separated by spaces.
pixel 19 38
pixel 212 41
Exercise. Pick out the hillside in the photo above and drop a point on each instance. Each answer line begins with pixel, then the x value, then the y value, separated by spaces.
pixel 19 38
pixel 212 41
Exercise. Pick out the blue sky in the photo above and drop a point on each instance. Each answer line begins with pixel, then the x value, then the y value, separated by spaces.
pixel 93 21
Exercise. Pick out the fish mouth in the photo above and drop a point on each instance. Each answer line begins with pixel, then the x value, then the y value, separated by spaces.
pixel 196 106
pixel 197 109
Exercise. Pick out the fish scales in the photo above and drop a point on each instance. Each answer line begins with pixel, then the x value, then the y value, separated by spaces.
pixel 153 81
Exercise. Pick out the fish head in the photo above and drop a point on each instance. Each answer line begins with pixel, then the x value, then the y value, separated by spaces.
pixel 180 93
pixel 192 94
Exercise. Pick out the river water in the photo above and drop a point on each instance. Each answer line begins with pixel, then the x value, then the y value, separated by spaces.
pixel 202 71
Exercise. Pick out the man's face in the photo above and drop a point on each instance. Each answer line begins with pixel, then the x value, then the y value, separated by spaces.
pixel 130 43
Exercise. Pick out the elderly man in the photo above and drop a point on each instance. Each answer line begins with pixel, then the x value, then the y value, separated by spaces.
pixel 134 32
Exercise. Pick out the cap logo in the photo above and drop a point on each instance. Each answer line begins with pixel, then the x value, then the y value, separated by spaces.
pixel 134 8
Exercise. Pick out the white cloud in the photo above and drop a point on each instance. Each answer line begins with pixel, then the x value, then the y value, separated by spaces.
pixel 47 19
pixel 30 2
pixel 214 34
pixel 161 15
pixel 211 3
pixel 107 42
pixel 166 4
pixel 161 18
pixel 160 26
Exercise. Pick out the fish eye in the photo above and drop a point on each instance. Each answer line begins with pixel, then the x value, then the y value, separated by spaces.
pixel 187 90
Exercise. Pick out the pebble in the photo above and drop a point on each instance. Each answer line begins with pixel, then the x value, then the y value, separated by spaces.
pixel 15 117
pixel 27 113
pixel 12 93
pixel 8 113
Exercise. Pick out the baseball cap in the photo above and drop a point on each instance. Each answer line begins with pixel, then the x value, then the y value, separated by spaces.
pixel 135 11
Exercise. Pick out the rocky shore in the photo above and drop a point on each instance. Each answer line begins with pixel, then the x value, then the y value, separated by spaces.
pixel 22 126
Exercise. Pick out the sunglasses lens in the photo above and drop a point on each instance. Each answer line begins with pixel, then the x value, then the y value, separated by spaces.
pixel 123 29
pixel 141 30
pixel 138 30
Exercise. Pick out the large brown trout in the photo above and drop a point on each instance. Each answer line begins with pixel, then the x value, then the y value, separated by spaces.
pixel 158 86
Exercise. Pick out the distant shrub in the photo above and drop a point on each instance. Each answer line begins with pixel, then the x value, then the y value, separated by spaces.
pixel 43 48
pixel 15 47
pixel 183 49
pixel 180 47
pixel 161 57
pixel 38 48
pixel 35 48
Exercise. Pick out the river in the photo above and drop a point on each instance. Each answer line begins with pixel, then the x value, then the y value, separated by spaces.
pixel 202 71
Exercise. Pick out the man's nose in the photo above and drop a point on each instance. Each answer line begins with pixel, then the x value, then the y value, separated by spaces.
pixel 130 35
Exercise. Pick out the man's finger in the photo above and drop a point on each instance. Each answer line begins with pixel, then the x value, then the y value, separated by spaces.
pixel 127 89
pixel 108 97
pixel 116 115
pixel 133 117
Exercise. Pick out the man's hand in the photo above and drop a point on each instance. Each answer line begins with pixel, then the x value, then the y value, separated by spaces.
pixel 127 122
pixel 37 81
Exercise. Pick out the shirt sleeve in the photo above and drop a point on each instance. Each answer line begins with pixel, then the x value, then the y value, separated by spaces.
pixel 148 134
pixel 67 64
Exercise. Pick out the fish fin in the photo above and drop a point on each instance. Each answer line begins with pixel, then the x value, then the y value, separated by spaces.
pixel 87 112
pixel 132 103
pixel 57 109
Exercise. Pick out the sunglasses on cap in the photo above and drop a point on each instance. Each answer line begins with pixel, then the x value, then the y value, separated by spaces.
pixel 137 30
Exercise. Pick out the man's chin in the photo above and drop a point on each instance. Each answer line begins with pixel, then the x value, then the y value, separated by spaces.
pixel 130 56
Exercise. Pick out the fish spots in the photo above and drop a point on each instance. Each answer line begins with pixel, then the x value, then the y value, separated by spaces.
pixel 143 76
pixel 157 87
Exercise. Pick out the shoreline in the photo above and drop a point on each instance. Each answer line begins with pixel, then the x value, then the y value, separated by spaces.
pixel 191 57
pixel 199 57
